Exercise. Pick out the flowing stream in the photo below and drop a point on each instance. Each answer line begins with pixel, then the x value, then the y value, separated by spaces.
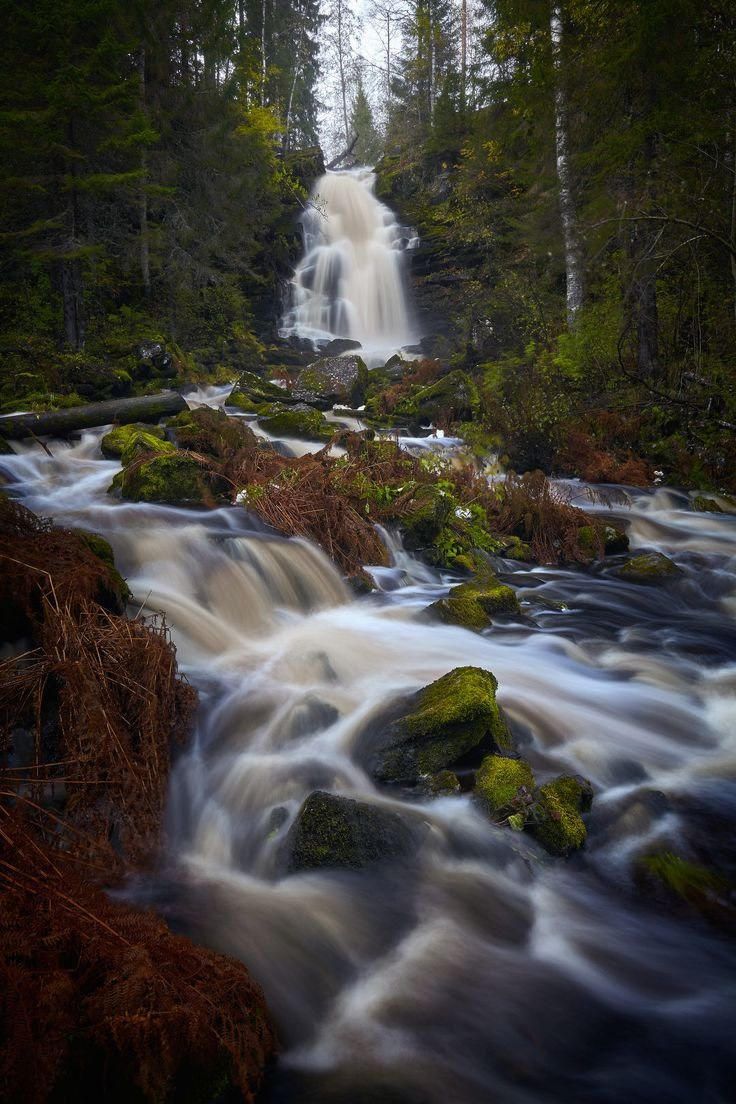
pixel 481 970
pixel 350 282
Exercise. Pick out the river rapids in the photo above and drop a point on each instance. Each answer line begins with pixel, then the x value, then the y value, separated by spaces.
pixel 482 970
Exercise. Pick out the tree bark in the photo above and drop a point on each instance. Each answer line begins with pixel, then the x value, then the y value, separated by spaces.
pixel 57 423
pixel 568 214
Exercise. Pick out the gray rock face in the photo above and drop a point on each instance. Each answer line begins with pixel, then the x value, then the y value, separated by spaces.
pixel 335 831
pixel 332 379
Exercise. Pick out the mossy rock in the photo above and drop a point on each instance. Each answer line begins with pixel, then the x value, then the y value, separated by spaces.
pixel 335 831
pixel 211 432
pixel 498 782
pixel 557 823
pixel 333 379
pixel 251 393
pixel 448 719
pixel 443 784
pixel 514 548
pixel 492 596
pixel 649 567
pixel 704 505
pixel 454 398
pixel 102 549
pixel 615 540
pixel 465 612
pixel 114 442
pixel 173 479
pixel 296 421
pixel 141 444
pixel 433 508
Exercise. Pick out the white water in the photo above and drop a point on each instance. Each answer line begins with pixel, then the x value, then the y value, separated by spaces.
pixel 350 282
pixel 481 970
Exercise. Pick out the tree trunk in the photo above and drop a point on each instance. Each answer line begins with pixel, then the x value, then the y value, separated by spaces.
pixel 143 199
pixel 72 298
pixel 57 423
pixel 568 214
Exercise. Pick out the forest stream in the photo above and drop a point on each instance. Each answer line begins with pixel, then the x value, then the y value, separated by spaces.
pixel 480 969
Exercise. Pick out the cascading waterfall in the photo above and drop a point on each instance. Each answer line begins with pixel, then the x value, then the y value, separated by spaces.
pixel 480 969
pixel 350 282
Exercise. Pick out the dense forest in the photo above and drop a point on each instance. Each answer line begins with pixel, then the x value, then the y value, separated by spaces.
pixel 570 169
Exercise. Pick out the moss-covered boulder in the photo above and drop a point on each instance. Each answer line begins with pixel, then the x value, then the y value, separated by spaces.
pixel 333 379
pixel 212 433
pixel 600 541
pixel 503 784
pixel 491 595
pixel 454 398
pixel 114 442
pixel 251 393
pixel 335 831
pixel 299 421
pixel 556 822
pixel 464 612
pixel 174 479
pixel 447 719
pixel 141 444
pixel 649 567
pixel 102 549
pixel 473 604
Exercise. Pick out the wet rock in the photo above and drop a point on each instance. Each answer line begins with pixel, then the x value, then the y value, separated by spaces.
pixel 340 345
pixel 443 784
pixel 211 432
pixel 454 398
pixel 447 719
pixel 173 479
pixel 556 822
pixel 333 379
pixel 335 831
pixel 464 612
pixel 296 421
pixel 503 784
pixel 472 604
pixel 704 505
pixel 113 443
pixel 649 567
pixel 251 393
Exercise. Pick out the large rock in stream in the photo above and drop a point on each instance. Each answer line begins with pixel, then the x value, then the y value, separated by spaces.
pixel 335 831
pixel 447 719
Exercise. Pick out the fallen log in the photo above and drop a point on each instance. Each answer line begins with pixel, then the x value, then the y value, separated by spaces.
pixel 342 156
pixel 58 423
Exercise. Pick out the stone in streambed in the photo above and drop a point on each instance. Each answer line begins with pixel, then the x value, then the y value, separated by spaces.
pixel 114 442
pixel 339 832
pixel 333 379
pixel 251 393
pixel 502 783
pixel 299 421
pixel 173 479
pixel 472 605
pixel 557 823
pixel 447 719
pixel 649 567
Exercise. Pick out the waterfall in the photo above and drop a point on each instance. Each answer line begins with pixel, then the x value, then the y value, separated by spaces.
pixel 350 283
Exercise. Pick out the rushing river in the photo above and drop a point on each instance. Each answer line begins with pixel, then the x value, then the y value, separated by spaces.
pixel 481 971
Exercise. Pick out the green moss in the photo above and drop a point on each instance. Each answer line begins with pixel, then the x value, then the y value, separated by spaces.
pixel 113 443
pixel 173 478
pixel 285 421
pixel 451 717
pixel 465 612
pixel 649 567
pixel 251 392
pixel 454 398
pixel 211 432
pixel 688 880
pixel 142 443
pixel 492 597
pixel 705 505
pixel 443 783
pixel 557 823
pixel 335 831
pixel 514 548
pixel 103 550
pixel 498 780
